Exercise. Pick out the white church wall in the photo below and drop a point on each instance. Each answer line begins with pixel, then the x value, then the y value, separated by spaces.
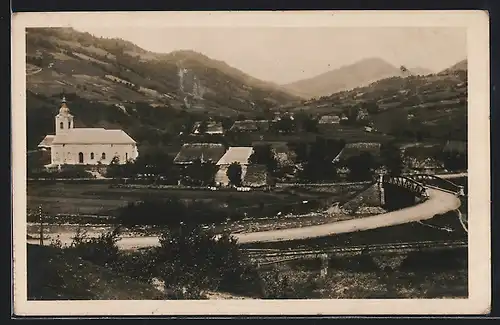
pixel 93 154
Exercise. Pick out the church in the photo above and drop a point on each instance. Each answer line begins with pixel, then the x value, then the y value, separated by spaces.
pixel 86 146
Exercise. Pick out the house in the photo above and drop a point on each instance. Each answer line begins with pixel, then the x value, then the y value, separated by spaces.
pixel 356 149
pixel 329 119
pixel 250 126
pixel 368 129
pixel 86 146
pixel 240 155
pixel 211 127
pixel 205 152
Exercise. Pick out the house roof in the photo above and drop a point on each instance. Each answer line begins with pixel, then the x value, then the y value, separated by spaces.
pixel 47 141
pixel 212 127
pixel 250 125
pixel 203 151
pixel 93 136
pixel 215 127
pixel 236 154
pixel 329 119
pixel 256 175
pixel 355 149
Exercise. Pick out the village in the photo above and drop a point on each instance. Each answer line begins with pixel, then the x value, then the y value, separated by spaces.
pixel 248 154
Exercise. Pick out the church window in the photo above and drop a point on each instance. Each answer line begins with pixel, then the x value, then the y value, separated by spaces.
pixel 103 156
pixel 61 125
pixel 69 125
pixel 92 155
pixel 126 156
pixel 80 157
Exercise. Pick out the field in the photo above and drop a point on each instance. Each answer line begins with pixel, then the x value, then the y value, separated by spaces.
pixel 425 275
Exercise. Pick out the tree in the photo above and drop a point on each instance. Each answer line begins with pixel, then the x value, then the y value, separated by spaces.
pixel 391 158
pixel 285 125
pixel 371 107
pixel 200 173
pixel 360 166
pixel 191 260
pixel 263 155
pixel 234 173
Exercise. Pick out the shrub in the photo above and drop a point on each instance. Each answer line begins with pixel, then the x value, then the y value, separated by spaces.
pixel 101 250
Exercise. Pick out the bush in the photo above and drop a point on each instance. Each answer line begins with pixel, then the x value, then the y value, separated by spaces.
pixel 101 250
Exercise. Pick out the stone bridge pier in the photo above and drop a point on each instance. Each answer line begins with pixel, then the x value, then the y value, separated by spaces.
pixel 398 192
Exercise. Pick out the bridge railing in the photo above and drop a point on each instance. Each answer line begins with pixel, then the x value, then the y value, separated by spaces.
pixel 408 183
pixel 438 182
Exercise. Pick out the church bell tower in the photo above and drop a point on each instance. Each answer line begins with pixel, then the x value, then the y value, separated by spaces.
pixel 64 120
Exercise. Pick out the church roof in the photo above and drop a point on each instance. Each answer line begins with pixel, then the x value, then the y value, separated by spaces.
pixel 47 141
pixel 93 136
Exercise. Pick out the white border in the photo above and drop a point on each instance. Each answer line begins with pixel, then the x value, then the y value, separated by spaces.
pixel 477 25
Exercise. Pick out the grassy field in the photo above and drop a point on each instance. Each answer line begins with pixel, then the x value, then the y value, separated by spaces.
pixel 100 199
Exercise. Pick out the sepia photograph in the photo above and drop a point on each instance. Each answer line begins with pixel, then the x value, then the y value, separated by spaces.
pixel 251 163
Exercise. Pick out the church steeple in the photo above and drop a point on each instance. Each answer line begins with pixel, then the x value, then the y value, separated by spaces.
pixel 64 120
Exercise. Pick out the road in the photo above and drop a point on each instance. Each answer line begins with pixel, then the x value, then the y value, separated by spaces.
pixel 448 176
pixel 439 202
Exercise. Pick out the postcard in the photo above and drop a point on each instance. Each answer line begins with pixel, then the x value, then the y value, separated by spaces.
pixel 251 163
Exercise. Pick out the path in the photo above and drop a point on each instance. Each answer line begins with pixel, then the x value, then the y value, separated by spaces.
pixel 439 202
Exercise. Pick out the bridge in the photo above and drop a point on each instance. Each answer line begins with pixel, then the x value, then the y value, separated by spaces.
pixel 434 181
pixel 397 192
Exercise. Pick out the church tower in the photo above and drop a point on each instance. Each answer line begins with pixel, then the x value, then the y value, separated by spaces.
pixel 64 120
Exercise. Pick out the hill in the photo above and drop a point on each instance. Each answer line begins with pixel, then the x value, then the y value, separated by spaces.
pixel 459 66
pixel 115 82
pixel 55 274
pixel 348 77
pixel 435 105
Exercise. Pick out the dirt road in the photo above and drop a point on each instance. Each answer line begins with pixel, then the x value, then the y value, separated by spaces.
pixel 439 202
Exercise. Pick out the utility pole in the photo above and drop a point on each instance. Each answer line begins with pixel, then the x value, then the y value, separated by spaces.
pixel 40 216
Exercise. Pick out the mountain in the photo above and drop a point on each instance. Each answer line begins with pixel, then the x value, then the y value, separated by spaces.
pixel 419 71
pixel 434 104
pixel 459 66
pixel 113 82
pixel 180 78
pixel 348 77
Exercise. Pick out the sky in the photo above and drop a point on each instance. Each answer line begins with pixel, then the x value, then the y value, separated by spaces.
pixel 287 54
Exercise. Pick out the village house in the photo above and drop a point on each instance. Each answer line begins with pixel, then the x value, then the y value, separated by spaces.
pixel 240 155
pixel 356 149
pixel 211 127
pixel 329 119
pixel 86 146
pixel 419 158
pixel 204 152
pixel 250 126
